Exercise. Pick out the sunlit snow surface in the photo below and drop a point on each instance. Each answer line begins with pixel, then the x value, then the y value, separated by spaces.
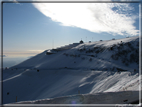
pixel 56 74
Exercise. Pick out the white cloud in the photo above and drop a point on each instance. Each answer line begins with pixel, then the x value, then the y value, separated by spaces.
pixel 95 17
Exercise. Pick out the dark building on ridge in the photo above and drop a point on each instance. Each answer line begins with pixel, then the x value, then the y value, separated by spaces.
pixel 81 41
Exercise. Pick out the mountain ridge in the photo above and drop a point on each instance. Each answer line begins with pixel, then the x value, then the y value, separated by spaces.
pixel 74 52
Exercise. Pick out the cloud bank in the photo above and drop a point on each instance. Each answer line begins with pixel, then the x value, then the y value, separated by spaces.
pixel 113 18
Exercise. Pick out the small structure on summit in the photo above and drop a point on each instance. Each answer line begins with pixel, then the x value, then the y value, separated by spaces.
pixel 49 52
pixel 81 41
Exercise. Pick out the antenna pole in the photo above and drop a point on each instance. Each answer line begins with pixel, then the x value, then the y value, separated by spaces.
pixel 53 44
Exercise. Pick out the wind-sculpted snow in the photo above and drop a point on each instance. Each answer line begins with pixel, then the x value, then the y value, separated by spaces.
pixel 85 68
pixel 33 85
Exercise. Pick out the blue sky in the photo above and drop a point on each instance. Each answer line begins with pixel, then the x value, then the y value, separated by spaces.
pixel 29 28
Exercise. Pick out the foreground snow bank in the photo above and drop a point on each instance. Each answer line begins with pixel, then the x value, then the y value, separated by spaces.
pixel 123 97
pixel 30 85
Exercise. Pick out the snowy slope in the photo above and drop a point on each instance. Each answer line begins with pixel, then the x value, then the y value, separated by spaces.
pixel 86 68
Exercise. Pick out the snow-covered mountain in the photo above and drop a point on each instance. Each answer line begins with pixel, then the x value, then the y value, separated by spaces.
pixel 79 68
